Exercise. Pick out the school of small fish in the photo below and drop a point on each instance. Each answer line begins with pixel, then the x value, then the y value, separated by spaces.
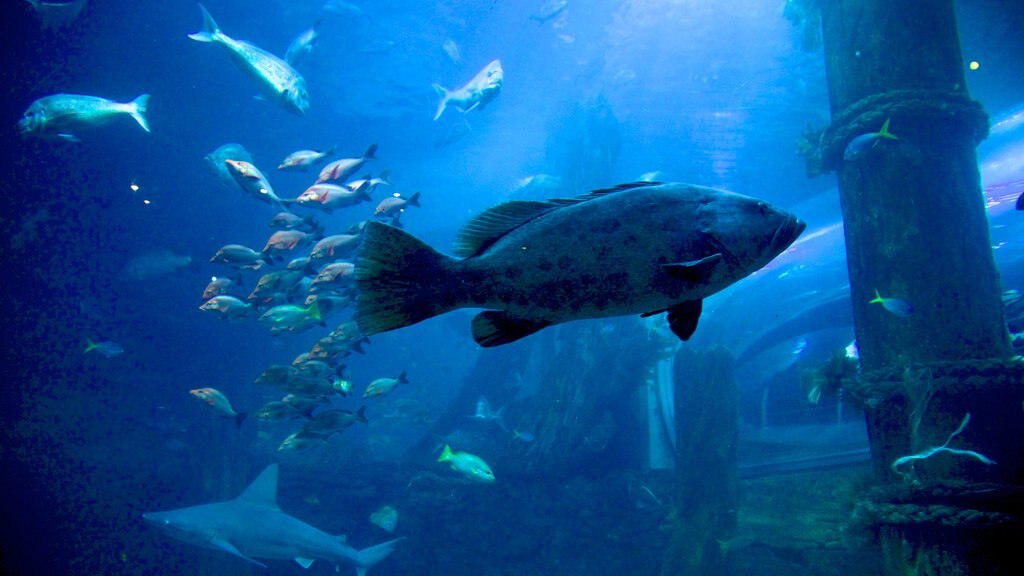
pixel 310 277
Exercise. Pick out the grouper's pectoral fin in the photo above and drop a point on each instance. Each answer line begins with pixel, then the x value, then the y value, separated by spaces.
pixel 682 317
pixel 494 328
pixel 694 271
pixel 222 544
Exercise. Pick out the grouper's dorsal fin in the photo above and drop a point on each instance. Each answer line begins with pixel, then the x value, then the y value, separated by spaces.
pixel 263 489
pixel 491 224
pixel 601 193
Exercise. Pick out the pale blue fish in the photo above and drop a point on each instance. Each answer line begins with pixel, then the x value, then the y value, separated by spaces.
pixel 302 45
pixel 477 93
pixel 894 305
pixel 63 115
pixel 861 144
pixel 277 80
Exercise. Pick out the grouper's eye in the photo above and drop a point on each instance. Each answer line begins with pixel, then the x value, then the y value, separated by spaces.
pixel 763 208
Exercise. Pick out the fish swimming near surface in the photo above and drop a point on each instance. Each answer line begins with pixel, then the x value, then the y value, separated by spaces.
pixel 277 80
pixel 549 10
pixel 635 249
pixel 469 465
pixel 302 45
pixel 861 144
pixel 62 116
pixel 477 93
pixel 57 14
pixel 253 526
pixel 155 264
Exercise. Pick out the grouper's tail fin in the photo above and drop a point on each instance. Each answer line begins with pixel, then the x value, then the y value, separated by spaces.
pixel 210 29
pixel 367 557
pixel 401 280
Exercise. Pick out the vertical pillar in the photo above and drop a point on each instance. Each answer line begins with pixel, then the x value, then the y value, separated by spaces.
pixel 704 512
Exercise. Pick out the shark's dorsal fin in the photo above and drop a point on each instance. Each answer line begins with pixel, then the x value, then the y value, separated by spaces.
pixel 490 225
pixel 263 489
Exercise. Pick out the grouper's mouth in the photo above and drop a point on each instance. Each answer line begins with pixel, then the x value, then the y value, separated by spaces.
pixel 787 233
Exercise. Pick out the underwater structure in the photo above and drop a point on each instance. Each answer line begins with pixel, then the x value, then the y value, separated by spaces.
pixel 936 353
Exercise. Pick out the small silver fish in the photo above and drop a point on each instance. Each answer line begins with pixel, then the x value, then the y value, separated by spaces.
pixel 62 115
pixel 346 167
pixel 303 159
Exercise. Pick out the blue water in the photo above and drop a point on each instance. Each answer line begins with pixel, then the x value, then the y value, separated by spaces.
pixel 715 93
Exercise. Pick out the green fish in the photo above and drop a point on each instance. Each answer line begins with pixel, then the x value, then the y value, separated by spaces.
pixel 469 465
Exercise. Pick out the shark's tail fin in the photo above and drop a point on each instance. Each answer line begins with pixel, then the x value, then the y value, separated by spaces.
pixel 210 29
pixel 367 557
pixel 443 93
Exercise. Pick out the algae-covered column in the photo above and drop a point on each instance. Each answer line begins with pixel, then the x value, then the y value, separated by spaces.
pixel 915 217
pixel 707 429
pixel 933 344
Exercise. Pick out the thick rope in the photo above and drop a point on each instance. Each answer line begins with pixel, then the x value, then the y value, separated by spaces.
pixel 823 149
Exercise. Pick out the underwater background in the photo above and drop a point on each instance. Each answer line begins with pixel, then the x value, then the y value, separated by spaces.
pixel 595 94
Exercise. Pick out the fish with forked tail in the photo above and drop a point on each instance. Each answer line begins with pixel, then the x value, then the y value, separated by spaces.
pixel 277 80
pixel 477 93
pixel 61 116
pixel 636 249
pixel 253 526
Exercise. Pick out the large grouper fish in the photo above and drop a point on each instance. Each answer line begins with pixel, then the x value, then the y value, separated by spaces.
pixel 640 248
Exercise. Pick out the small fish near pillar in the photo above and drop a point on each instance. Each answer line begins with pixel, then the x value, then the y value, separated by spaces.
pixel 942 393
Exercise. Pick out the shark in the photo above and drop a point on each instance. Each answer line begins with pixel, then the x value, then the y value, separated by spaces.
pixel 253 526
